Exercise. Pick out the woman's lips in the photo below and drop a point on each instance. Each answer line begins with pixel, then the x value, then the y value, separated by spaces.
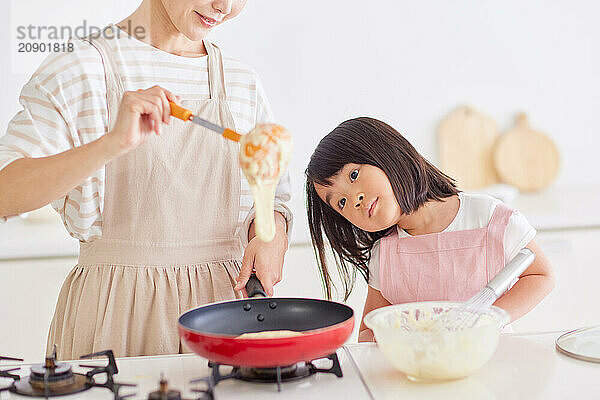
pixel 372 207
pixel 208 22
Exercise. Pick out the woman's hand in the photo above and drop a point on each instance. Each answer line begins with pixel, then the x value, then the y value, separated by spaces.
pixel 34 182
pixel 141 113
pixel 265 258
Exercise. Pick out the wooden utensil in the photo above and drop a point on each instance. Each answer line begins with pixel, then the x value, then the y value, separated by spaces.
pixel 526 158
pixel 466 139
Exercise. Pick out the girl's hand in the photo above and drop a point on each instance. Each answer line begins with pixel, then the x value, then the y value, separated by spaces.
pixel 265 258
pixel 366 335
pixel 141 113
pixel 373 301
pixel 533 285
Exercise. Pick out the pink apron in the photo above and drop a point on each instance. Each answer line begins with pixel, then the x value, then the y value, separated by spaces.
pixel 444 266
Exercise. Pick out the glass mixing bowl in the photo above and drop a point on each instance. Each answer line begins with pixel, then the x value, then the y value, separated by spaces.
pixel 405 336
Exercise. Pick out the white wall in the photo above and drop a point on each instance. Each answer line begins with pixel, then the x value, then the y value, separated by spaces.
pixel 407 62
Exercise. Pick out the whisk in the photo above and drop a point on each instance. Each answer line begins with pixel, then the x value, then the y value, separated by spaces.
pixel 468 313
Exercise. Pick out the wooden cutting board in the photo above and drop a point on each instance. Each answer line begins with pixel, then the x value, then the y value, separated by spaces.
pixel 466 139
pixel 526 158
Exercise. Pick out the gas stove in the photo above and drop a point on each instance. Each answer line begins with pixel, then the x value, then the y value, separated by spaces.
pixel 183 376
pixel 53 379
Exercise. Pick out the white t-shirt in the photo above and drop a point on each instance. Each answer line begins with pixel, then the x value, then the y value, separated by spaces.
pixel 475 211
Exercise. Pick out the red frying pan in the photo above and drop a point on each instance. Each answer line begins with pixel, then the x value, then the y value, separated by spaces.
pixel 211 331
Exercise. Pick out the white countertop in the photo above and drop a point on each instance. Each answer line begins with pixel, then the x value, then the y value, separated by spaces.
pixel 564 207
pixel 42 234
pixel 524 366
pixel 30 238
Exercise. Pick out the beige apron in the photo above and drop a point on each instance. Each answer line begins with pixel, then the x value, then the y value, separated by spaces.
pixel 168 233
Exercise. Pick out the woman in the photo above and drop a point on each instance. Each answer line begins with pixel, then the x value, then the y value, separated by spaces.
pixel 161 210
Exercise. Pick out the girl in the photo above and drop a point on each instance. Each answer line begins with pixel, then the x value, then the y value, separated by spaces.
pixel 394 217
pixel 163 220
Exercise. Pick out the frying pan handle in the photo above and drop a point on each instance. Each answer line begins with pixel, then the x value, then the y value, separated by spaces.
pixel 254 287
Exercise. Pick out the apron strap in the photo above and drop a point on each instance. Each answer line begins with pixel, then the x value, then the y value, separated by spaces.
pixel 216 80
pixel 387 245
pixel 114 81
pixel 495 239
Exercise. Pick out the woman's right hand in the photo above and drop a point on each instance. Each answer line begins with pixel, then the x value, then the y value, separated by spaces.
pixel 34 182
pixel 141 113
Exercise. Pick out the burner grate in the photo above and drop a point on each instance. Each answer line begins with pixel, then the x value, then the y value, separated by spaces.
pixel 6 373
pixel 110 370
pixel 264 375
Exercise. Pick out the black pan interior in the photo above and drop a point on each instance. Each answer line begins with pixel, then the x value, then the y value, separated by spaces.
pixel 265 314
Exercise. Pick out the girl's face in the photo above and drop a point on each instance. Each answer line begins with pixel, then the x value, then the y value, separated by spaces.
pixel 196 18
pixel 363 195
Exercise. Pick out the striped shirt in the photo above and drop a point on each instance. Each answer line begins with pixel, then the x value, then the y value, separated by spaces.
pixel 64 106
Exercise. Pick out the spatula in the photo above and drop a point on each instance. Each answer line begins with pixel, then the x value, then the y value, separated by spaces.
pixel 187 115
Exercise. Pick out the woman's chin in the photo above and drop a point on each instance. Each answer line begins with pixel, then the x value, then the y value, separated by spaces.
pixel 193 30
pixel 197 33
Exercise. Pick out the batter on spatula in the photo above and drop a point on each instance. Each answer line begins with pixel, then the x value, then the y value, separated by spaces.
pixel 264 155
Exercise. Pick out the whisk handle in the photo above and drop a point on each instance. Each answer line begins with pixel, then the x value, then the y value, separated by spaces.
pixel 512 270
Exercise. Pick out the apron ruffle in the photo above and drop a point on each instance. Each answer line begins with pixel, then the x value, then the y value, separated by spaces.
pixel 133 310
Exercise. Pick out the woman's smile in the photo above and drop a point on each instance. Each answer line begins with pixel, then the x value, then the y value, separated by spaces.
pixel 208 22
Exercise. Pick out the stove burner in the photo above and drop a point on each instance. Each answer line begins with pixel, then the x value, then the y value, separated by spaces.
pixel 265 375
pixel 52 377
pixel 274 375
pixel 47 388
pixel 57 379
pixel 164 393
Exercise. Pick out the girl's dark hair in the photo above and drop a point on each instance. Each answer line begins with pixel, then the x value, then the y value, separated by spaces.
pixel 413 179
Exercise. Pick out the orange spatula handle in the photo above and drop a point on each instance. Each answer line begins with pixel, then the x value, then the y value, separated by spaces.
pixel 180 112
pixel 231 135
